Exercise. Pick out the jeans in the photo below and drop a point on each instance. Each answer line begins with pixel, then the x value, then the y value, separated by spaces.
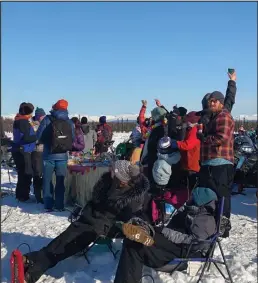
pixel 54 197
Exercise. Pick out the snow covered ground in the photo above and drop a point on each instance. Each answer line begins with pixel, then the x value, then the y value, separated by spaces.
pixel 27 223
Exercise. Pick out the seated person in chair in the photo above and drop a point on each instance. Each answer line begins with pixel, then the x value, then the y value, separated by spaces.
pixel 118 195
pixel 195 220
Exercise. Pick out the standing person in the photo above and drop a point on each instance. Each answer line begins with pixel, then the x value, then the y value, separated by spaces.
pixel 78 144
pixel 158 114
pixel 190 149
pixel 89 135
pixel 144 123
pixel 104 135
pixel 56 133
pixel 2 133
pixel 136 135
pixel 217 153
pixel 36 157
pixel 24 143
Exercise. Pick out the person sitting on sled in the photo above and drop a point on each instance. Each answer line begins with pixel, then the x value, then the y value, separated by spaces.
pixel 156 247
pixel 118 195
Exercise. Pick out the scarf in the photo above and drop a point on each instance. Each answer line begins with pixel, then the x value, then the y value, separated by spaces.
pixel 22 117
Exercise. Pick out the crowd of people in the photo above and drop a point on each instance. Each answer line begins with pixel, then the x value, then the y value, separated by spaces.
pixel 173 150
pixel 40 146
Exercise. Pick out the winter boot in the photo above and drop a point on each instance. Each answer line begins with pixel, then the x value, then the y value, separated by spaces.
pixel 225 227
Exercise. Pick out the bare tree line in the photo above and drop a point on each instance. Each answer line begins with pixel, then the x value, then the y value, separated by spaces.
pixel 124 125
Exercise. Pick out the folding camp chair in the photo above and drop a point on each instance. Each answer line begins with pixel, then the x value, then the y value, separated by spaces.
pixel 101 240
pixel 207 255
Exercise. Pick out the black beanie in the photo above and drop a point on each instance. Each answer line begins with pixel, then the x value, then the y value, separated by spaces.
pixel 217 95
pixel 26 108
pixel 102 119
pixel 84 120
pixel 182 111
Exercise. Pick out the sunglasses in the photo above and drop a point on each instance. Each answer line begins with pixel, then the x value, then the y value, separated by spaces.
pixel 213 101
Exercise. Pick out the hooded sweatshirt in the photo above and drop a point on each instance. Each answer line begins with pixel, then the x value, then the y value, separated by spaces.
pixel 90 137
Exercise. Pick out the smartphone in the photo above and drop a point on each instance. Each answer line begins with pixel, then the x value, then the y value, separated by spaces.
pixel 231 71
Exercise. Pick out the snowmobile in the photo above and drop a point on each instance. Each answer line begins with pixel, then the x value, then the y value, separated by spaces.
pixel 246 163
pixel 125 149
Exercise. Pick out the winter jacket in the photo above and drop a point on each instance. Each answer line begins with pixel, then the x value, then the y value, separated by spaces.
pixel 2 133
pixel 110 203
pixel 78 144
pixel 144 128
pixel 24 137
pixel 90 137
pixel 219 137
pixel 44 135
pixel 104 134
pixel 190 151
pixel 155 135
pixel 191 222
pixel 136 136
pixel 39 147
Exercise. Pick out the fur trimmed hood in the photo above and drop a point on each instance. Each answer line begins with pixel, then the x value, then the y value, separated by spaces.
pixel 134 192
pixel 118 198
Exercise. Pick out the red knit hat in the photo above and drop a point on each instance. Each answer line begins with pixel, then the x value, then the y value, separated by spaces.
pixel 60 105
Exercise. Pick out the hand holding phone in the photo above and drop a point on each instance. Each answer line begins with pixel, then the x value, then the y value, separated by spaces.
pixel 232 74
pixel 231 71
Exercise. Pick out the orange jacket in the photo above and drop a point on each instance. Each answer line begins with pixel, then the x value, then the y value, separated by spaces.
pixel 190 151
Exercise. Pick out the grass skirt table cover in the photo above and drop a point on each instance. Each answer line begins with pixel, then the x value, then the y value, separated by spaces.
pixel 80 181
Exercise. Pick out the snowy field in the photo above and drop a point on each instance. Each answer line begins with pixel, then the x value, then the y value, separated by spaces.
pixel 27 223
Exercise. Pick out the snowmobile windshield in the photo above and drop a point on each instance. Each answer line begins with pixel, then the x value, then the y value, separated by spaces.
pixel 243 143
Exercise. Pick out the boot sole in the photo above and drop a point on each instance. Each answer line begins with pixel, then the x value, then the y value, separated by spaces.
pixel 137 234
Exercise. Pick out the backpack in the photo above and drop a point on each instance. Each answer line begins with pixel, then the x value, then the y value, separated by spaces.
pixel 61 135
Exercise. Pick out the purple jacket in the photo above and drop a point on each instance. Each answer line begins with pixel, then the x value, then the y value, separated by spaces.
pixel 78 144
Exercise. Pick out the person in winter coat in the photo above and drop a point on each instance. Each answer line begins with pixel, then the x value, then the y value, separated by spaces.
pixel 144 122
pixel 190 149
pixel 89 135
pixel 156 134
pixel 2 133
pixel 217 152
pixel 78 144
pixel 195 220
pixel 136 135
pixel 54 162
pixel 118 195
pixel 24 143
pixel 104 135
pixel 36 157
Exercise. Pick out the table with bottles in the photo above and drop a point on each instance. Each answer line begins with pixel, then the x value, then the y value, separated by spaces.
pixel 84 170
